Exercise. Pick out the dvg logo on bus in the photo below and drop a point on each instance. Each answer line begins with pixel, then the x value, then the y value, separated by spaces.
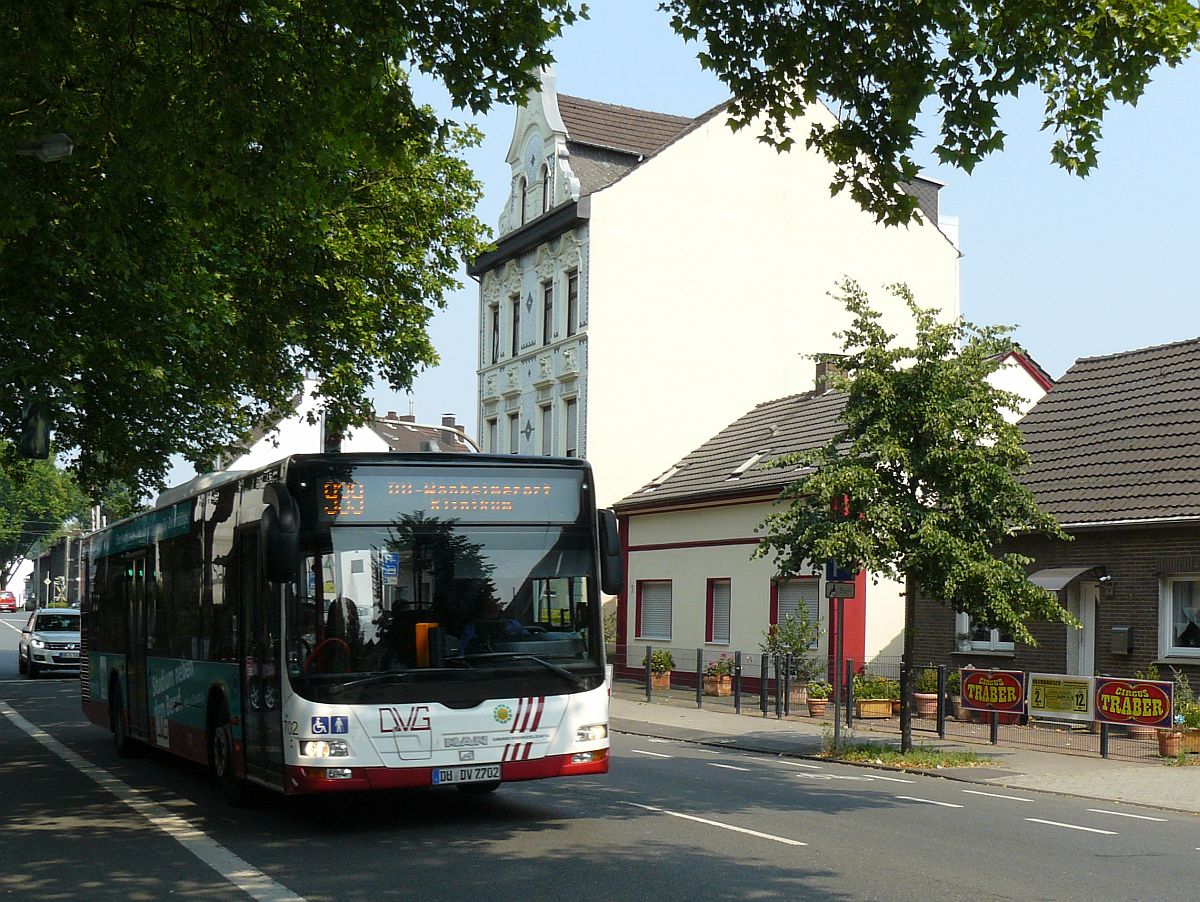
pixel 416 719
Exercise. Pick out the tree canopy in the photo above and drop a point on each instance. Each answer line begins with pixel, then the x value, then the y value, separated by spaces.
pixel 922 480
pixel 254 195
pixel 36 499
pixel 876 64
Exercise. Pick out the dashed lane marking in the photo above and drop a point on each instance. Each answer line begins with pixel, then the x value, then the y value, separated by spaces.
pixel 1038 820
pixel 929 801
pixel 1140 817
pixel 744 770
pixel 651 754
pixel 236 870
pixel 703 820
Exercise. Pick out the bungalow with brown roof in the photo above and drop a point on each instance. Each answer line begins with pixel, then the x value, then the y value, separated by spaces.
pixel 690 533
pixel 1115 460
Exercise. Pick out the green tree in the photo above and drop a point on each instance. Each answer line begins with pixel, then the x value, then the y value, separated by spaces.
pixel 254 195
pixel 36 500
pixel 878 63
pixel 922 476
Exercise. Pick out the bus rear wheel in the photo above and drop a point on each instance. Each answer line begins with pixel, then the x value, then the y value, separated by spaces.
pixel 221 757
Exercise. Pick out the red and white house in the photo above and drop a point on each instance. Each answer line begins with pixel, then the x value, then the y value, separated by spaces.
pixel 690 535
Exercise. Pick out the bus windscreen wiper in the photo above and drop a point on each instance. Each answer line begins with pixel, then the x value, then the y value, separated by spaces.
pixel 574 678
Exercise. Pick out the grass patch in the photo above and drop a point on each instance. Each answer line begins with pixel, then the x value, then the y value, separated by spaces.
pixel 891 756
pixel 1183 759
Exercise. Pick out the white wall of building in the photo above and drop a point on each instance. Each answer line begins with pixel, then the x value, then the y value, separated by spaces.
pixel 711 266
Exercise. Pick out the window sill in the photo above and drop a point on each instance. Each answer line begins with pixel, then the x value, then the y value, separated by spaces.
pixel 985 653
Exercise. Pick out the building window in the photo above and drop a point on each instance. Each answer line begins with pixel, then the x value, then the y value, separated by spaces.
pixel 547 431
pixel 514 433
pixel 789 595
pixel 494 331
pixel 654 609
pixel 980 637
pixel 546 185
pixel 571 418
pixel 716 620
pixel 1179 617
pixel 493 435
pixel 516 324
pixel 572 303
pixel 521 199
pixel 547 312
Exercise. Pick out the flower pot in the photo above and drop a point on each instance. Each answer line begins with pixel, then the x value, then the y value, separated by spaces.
pixel 816 706
pixel 660 680
pixel 798 694
pixel 926 703
pixel 1189 741
pixel 895 707
pixel 1170 743
pixel 720 684
pixel 872 707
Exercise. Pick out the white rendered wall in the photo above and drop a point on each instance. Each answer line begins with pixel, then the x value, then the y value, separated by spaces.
pixel 710 267
pixel 689 569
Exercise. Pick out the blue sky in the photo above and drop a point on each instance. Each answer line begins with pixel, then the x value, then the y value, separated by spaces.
pixel 1083 267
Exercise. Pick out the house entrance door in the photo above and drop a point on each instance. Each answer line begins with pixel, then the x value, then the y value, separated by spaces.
pixel 1081 643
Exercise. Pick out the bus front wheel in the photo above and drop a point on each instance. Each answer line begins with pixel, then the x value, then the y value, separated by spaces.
pixel 221 758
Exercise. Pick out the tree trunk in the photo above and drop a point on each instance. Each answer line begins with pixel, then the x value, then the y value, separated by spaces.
pixel 906 664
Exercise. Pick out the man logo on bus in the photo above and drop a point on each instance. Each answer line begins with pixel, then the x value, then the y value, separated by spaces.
pixel 503 713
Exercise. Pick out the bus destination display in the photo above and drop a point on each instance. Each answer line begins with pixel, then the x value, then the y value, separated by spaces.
pixel 517 496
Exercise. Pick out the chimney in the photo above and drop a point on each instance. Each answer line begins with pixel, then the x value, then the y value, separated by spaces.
pixel 391 415
pixel 825 371
pixel 408 418
pixel 450 430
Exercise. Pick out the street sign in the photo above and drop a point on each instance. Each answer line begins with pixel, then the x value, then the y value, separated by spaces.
pixel 839 590
pixel 391 568
pixel 835 574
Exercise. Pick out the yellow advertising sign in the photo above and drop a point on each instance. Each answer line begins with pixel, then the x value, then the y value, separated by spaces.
pixel 1061 696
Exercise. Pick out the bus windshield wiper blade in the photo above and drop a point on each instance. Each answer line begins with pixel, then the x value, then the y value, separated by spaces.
pixel 368 680
pixel 521 656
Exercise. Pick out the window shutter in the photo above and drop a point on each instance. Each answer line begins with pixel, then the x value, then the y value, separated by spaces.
pixel 656 610
pixel 796 592
pixel 720 610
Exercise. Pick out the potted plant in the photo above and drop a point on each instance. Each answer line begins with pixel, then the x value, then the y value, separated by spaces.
pixel 871 696
pixel 795 635
pixel 661 665
pixel 954 687
pixel 718 676
pixel 1185 735
pixel 925 686
pixel 818 697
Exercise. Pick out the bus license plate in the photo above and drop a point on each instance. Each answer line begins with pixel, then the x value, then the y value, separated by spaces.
pixel 480 773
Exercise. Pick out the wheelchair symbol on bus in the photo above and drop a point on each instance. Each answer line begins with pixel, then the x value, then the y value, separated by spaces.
pixel 322 726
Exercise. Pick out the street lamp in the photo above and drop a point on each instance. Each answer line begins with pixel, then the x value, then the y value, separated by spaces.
pixel 47 148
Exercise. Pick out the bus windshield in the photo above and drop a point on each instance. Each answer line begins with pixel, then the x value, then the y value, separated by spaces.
pixel 429 600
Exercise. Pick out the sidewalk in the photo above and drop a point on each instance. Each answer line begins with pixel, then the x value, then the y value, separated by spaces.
pixel 1154 785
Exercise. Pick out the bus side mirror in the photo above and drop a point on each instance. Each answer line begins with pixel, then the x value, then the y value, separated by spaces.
pixel 612 568
pixel 280 533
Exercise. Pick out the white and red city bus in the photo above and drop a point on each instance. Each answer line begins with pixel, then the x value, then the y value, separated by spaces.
pixel 359 621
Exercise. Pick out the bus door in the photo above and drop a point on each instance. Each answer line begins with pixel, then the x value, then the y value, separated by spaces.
pixel 262 708
pixel 135 646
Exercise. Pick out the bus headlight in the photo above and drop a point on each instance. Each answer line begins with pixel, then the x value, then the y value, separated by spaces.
pixel 324 748
pixel 592 733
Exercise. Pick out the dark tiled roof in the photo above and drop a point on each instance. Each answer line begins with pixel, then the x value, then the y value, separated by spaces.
pixel 1116 438
pixel 773 429
pixel 617 127
pixel 596 168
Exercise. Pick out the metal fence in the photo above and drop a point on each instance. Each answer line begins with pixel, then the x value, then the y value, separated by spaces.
pixel 767 685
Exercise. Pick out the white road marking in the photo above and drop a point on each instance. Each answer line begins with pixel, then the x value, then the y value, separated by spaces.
pixel 704 820
pixel 801 764
pixel 1140 817
pixel 665 741
pixel 651 754
pixel 236 870
pixel 996 795
pixel 1038 820
pixel 891 779
pixel 729 767
pixel 929 801
pixel 15 629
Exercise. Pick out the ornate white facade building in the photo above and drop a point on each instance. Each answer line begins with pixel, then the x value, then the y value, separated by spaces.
pixel 655 276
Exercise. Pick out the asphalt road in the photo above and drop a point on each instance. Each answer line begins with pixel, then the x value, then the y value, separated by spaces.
pixel 671 821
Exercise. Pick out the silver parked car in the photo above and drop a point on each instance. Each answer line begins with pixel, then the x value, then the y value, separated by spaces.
pixel 49 641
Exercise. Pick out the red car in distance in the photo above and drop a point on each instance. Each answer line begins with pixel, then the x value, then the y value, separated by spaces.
pixel 8 602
